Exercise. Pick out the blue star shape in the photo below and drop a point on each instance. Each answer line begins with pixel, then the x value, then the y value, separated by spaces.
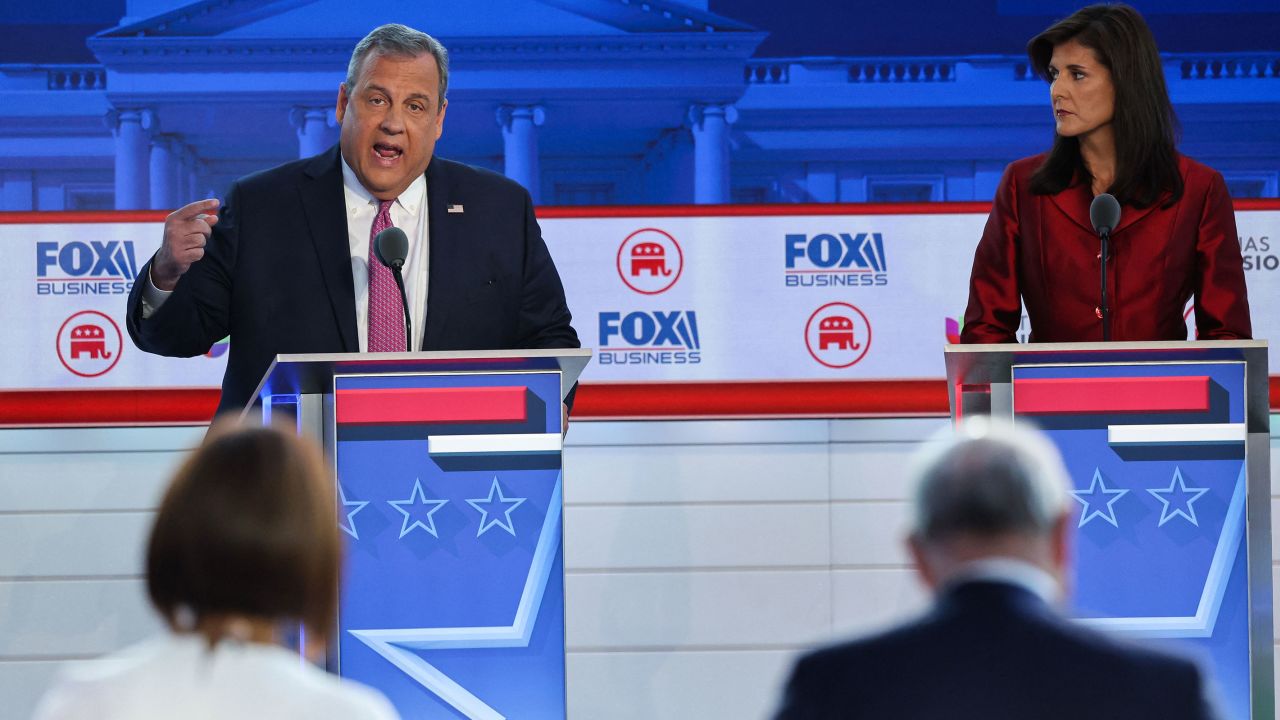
pixel 505 505
pixel 418 500
pixel 1096 498
pixel 1176 498
pixel 350 526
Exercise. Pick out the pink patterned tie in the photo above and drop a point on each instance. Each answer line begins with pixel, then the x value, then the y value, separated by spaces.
pixel 386 312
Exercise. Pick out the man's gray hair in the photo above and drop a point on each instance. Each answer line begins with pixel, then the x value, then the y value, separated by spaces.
pixel 989 478
pixel 398 40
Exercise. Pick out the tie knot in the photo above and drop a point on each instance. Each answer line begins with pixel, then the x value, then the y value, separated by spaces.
pixel 384 206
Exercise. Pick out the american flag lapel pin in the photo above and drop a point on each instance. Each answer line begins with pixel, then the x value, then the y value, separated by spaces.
pixel 454 208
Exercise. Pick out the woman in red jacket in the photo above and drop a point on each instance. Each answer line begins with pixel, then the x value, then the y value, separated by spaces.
pixel 1176 238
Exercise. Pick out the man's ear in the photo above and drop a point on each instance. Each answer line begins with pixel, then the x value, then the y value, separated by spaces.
pixel 342 102
pixel 920 556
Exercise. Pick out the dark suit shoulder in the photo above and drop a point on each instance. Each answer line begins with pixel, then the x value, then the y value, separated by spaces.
pixel 473 179
pixel 280 176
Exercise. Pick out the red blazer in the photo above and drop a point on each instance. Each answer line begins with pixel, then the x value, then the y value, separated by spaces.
pixel 1041 251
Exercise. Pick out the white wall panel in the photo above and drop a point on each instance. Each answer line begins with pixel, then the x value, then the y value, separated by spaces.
pixel 696 473
pixel 84 481
pixel 79 544
pixel 741 684
pixel 869 600
pixel 869 533
pixel 697 536
pixel 699 432
pixel 696 610
pixel 870 471
pixel 56 619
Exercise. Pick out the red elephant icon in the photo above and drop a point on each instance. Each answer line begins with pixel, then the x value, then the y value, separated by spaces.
pixel 836 330
pixel 90 340
pixel 649 257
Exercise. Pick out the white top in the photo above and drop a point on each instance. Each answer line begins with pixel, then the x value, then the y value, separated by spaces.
pixel 409 214
pixel 179 676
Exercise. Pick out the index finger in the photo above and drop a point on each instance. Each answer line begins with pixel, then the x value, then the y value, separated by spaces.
pixel 208 206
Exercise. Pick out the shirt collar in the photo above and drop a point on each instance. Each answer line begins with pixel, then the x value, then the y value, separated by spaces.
pixel 1011 572
pixel 411 199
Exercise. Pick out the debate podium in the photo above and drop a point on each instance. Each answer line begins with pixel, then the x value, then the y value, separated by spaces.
pixel 449 493
pixel 1167 446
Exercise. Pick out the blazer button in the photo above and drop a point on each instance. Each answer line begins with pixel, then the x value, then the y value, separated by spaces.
pixel 1098 311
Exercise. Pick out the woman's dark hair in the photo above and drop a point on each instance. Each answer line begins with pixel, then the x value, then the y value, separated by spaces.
pixel 248 527
pixel 1144 123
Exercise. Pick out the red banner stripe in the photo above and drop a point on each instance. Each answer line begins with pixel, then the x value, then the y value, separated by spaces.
pixel 1062 396
pixel 398 406
pixel 77 408
pixel 836 398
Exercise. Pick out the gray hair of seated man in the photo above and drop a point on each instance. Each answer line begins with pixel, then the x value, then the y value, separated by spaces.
pixel 988 478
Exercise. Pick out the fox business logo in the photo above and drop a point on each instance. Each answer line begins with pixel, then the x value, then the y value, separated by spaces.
pixel 85 268
pixel 649 338
pixel 840 260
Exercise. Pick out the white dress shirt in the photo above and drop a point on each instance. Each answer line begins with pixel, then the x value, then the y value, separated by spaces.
pixel 409 213
pixel 180 676
pixel 1012 571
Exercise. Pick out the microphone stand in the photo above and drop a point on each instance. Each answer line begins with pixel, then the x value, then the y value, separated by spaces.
pixel 404 303
pixel 1106 312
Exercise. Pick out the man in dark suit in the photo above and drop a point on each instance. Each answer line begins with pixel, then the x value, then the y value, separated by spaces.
pixel 288 267
pixel 990 538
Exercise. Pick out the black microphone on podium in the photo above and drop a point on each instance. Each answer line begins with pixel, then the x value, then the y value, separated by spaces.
pixel 1104 213
pixel 391 246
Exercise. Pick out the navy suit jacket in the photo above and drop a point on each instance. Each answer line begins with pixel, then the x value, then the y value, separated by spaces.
pixel 992 651
pixel 276 275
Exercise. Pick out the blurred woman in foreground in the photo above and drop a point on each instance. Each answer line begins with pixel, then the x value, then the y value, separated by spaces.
pixel 245 544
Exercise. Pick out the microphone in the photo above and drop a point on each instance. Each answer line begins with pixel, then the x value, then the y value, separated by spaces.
pixel 1104 214
pixel 391 247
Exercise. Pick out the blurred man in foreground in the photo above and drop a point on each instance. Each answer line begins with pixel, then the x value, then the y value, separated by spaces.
pixel 990 538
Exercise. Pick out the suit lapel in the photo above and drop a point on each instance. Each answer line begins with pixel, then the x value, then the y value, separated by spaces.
pixel 1131 215
pixel 443 251
pixel 324 203
pixel 1074 203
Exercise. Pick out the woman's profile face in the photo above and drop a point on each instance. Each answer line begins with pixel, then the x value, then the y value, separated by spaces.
pixel 1080 89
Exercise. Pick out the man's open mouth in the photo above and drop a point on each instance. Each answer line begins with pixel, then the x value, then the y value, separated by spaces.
pixel 387 152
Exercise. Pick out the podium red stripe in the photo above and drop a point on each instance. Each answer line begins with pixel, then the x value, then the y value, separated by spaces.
pixel 398 406
pixel 1064 396
pixel 605 401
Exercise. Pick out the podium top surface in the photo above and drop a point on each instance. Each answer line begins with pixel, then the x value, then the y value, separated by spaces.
pixel 986 362
pixel 992 364
pixel 313 373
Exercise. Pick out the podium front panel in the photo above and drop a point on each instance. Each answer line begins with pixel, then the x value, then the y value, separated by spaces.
pixel 1157 454
pixel 450 498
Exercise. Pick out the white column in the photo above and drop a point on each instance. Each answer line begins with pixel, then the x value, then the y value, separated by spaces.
pixel 166 191
pixel 710 125
pixel 132 130
pixel 315 126
pixel 520 125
